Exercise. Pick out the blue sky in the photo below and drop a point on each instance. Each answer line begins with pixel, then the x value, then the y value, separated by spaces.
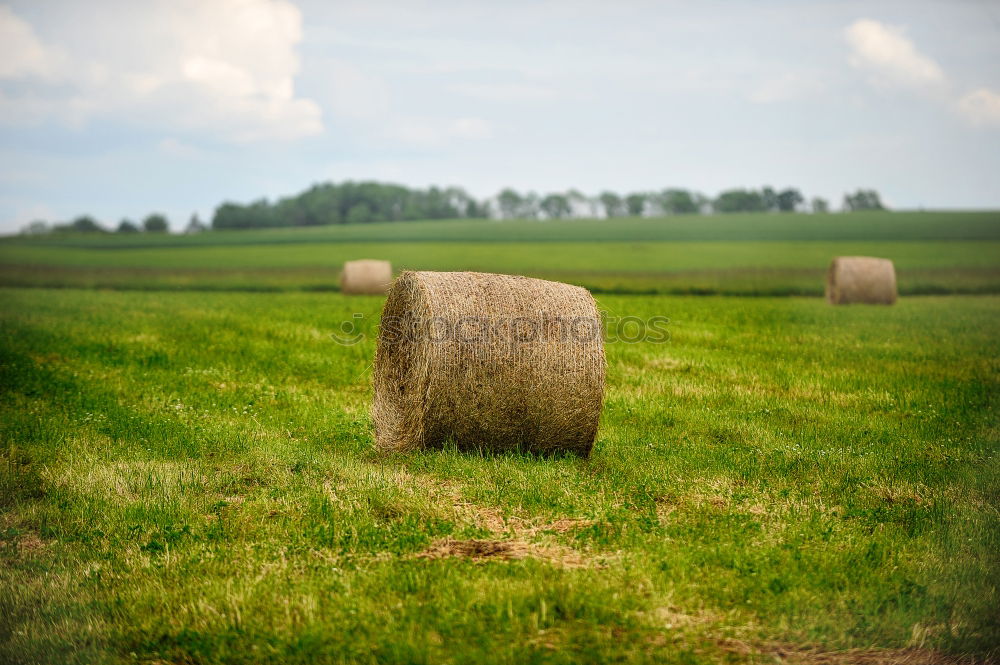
pixel 117 109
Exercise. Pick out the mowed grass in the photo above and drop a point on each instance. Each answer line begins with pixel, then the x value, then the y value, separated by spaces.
pixel 732 268
pixel 189 477
pixel 761 254
pixel 751 254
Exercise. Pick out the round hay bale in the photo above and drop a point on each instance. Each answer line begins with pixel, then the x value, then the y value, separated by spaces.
pixel 861 279
pixel 366 276
pixel 493 362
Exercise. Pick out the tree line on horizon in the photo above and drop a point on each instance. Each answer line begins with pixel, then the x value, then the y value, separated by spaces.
pixel 364 202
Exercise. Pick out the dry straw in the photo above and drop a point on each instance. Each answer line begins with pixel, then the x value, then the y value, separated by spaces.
pixel 861 279
pixel 493 362
pixel 369 276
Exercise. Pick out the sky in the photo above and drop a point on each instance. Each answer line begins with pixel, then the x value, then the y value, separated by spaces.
pixel 118 109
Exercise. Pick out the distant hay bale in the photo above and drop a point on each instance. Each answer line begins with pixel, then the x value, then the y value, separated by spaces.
pixel 861 279
pixel 493 362
pixel 366 276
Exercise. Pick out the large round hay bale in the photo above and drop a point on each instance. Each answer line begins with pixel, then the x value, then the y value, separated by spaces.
pixel 861 279
pixel 492 362
pixel 369 276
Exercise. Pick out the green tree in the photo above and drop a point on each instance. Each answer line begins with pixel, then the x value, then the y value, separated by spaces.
pixel 477 210
pixel 228 216
pixel 613 205
pixel 127 226
pixel 510 203
pixel 82 224
pixel 788 199
pixel 155 223
pixel 635 204
pixel 556 206
pixel 863 199
pixel 257 215
pixel 739 200
pixel 769 199
pixel 678 202
pixel 819 205
pixel 359 213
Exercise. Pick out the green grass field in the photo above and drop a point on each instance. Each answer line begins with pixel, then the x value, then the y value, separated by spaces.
pixel 189 477
pixel 935 253
pixel 747 227
pixel 187 472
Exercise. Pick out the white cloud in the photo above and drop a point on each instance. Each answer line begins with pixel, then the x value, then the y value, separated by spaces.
pixel 22 54
pixel 223 77
pixel 221 66
pixel 981 107
pixel 890 58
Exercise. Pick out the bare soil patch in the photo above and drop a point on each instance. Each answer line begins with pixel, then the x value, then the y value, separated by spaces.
pixel 503 550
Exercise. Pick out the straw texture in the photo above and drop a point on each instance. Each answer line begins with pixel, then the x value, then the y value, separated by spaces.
pixel 861 279
pixel 492 362
pixel 366 276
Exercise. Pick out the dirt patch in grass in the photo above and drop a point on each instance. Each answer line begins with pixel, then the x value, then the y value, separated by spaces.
pixel 503 550
pixel 25 545
pixel 515 537
pixel 30 542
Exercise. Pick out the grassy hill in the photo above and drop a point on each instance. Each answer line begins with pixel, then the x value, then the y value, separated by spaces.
pixel 912 226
